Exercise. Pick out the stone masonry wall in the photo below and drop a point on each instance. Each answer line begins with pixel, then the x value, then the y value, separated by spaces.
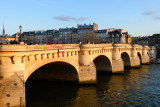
pixel 12 92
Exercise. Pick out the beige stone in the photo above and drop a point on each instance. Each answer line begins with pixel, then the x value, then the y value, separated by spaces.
pixel 18 62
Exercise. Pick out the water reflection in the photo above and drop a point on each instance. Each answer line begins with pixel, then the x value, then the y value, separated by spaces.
pixel 49 94
pixel 132 88
pixel 136 87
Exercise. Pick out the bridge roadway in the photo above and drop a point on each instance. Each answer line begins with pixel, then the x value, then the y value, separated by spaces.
pixel 77 63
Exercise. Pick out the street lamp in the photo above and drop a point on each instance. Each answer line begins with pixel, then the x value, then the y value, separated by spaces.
pixel 20 28
pixel 71 38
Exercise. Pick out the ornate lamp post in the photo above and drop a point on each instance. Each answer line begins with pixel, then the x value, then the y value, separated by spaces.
pixel 20 28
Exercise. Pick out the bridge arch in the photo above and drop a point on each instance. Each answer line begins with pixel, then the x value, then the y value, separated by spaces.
pixel 56 70
pixel 103 64
pixel 126 59
pixel 140 57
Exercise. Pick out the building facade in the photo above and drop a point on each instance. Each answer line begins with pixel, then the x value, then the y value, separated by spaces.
pixel 67 35
pixel 37 37
pixel 118 36
pixel 83 33
pixel 86 33
pixel 153 40
pixel 102 36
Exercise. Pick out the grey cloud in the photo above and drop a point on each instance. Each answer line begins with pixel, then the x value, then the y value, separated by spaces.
pixel 154 13
pixel 151 12
pixel 157 17
pixel 69 18
pixel 64 18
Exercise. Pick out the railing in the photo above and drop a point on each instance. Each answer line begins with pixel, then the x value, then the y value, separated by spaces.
pixel 17 47
pixel 122 45
pixel 95 45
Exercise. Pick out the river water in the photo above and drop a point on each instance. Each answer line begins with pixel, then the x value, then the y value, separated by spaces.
pixel 136 87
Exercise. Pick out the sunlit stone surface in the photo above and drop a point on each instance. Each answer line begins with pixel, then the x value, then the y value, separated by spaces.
pixel 78 63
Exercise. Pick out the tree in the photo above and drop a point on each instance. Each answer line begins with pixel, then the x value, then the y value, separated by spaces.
pixel 91 36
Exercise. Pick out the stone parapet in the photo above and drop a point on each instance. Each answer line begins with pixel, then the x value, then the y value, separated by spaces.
pixel 18 47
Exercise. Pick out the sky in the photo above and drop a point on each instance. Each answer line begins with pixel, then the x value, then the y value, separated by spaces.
pixel 138 17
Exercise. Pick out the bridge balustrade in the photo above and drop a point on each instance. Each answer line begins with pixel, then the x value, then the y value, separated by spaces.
pixel 23 60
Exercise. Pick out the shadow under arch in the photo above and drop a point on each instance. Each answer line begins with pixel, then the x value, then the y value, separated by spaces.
pixel 126 59
pixel 56 71
pixel 140 57
pixel 48 84
pixel 103 64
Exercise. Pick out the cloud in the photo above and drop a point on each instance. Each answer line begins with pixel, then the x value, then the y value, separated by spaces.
pixel 157 17
pixel 154 13
pixel 69 18
pixel 149 12
pixel 64 18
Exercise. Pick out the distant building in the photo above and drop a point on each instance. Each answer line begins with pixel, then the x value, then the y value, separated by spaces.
pixel 141 40
pixel 67 35
pixel 37 37
pixel 103 36
pixel 118 36
pixel 56 39
pixel 86 31
pixel 4 38
pixel 111 35
pixel 153 40
pixel 51 37
pixel 83 33
pixel 156 35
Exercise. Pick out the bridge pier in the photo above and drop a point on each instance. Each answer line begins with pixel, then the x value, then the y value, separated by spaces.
pixel 117 66
pixel 145 55
pixel 87 74
pixel 135 60
pixel 117 62
pixel 145 59
pixel 87 69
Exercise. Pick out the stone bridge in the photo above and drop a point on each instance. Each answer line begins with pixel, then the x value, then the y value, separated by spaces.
pixel 77 63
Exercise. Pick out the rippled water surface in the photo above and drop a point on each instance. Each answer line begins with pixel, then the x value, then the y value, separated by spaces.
pixel 136 87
